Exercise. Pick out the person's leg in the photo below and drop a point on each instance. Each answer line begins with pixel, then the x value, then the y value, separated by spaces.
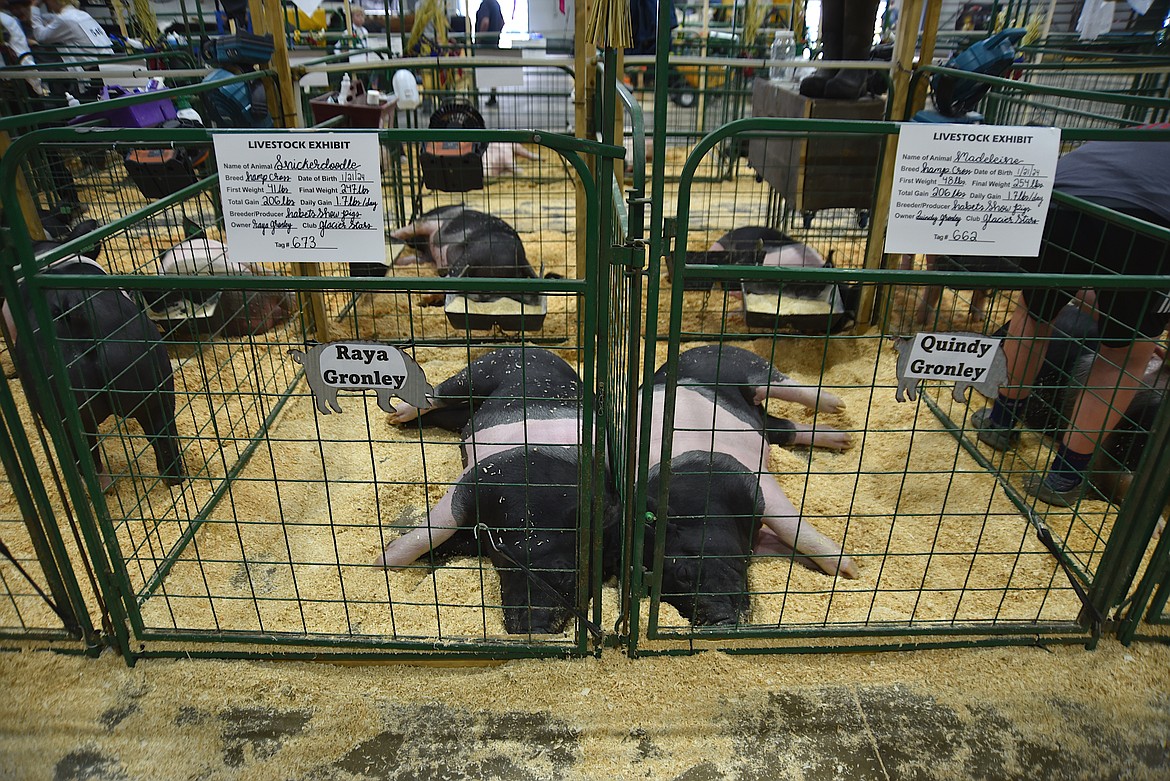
pixel 832 32
pixel 1114 380
pixel 1029 330
pixel 1024 349
pixel 1129 320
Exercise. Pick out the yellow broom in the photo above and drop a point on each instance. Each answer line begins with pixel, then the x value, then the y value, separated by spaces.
pixel 609 24
pixel 147 22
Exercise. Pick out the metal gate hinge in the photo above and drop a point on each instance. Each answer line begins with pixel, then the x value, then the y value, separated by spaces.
pixel 631 256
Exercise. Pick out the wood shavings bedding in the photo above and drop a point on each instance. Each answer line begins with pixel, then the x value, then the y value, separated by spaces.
pixel 291 545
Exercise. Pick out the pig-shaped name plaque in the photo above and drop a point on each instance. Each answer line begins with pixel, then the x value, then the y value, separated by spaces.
pixel 969 360
pixel 358 366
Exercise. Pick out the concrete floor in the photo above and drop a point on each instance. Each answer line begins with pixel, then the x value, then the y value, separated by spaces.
pixel 1011 713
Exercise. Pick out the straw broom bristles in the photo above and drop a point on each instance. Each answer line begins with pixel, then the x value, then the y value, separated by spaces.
pixel 147 22
pixel 609 24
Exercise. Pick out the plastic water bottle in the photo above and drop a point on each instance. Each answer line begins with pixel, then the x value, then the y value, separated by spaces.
pixel 343 93
pixel 783 48
pixel 406 90
pixel 186 112
pixel 71 101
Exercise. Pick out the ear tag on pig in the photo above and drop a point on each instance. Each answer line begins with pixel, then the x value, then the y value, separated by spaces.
pixel 356 366
pixel 969 360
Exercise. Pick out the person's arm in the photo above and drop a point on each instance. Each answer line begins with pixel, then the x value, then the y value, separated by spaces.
pixel 48 28
pixel 17 43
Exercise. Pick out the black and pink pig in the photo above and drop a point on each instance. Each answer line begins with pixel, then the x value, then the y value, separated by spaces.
pixel 723 504
pixel 462 242
pixel 518 412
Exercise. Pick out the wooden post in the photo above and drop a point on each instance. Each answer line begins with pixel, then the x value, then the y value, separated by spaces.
pixel 905 44
pixel 268 17
pixel 926 52
pixel 584 79
pixel 120 18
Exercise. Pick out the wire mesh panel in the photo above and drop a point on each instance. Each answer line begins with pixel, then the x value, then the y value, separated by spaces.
pixel 1082 95
pixel 705 93
pixel 40 599
pixel 792 497
pixel 250 514
pixel 804 201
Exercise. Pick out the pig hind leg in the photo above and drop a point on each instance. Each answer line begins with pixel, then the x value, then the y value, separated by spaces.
pixel 439 527
pixel 156 415
pixel 810 396
pixel 781 517
pixel 784 432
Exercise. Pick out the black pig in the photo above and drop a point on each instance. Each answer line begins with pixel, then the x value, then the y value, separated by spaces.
pixel 780 249
pixel 115 361
pixel 721 491
pixel 462 242
pixel 518 412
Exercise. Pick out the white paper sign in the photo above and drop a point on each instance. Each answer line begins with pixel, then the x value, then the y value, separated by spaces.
pixel 951 357
pixel 971 189
pixel 308 7
pixel 308 197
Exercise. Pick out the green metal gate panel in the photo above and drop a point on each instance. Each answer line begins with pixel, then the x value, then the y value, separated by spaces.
pixel 40 596
pixel 268 547
pixel 947 550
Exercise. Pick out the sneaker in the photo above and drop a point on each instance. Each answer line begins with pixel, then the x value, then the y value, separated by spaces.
pixel 1036 485
pixel 996 438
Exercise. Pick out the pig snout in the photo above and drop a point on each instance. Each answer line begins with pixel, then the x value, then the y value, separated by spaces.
pixel 536 606
pixel 708 591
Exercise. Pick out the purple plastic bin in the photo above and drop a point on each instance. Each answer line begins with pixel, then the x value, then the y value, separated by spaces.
pixel 150 114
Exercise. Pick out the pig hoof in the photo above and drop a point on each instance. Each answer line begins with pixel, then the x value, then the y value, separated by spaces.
pixel 833 439
pixel 105 482
pixel 404 413
pixel 830 402
pixel 847 569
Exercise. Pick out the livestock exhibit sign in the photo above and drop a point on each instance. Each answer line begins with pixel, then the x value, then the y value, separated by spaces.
pixel 302 197
pixel 971 189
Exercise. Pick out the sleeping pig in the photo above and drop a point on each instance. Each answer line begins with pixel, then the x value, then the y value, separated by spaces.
pixel 233 312
pixel 722 500
pixel 462 242
pixel 518 413
pixel 743 246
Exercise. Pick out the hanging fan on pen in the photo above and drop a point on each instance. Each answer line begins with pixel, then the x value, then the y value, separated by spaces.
pixel 454 166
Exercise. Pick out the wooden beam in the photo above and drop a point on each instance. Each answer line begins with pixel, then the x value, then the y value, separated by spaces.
pixel 905 45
